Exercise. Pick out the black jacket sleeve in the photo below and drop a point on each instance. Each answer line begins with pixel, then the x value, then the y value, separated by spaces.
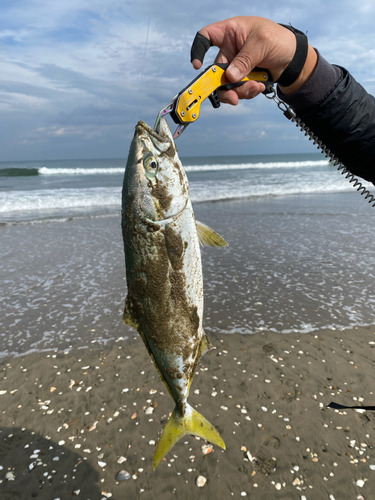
pixel 343 118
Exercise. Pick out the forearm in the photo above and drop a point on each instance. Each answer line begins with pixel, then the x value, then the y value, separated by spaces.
pixel 341 113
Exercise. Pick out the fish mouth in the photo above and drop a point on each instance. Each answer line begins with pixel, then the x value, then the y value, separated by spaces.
pixel 161 142
pixel 162 222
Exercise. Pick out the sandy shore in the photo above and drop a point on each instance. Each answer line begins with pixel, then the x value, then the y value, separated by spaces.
pixel 68 418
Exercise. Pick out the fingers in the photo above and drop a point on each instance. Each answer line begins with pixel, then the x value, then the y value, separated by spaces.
pixel 248 90
pixel 246 59
pixel 196 64
pixel 221 58
pixel 200 46
pixel 228 97
pixel 211 35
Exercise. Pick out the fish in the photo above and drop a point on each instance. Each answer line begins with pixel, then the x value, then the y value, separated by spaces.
pixel 164 302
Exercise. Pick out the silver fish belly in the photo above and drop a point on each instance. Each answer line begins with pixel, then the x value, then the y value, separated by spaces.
pixel 164 274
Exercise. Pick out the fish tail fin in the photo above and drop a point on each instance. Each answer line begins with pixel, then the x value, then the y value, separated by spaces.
pixel 179 425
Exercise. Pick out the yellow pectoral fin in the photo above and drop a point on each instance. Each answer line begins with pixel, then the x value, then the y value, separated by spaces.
pixel 209 237
pixel 178 426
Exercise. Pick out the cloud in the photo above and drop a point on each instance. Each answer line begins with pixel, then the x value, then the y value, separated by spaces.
pixel 79 72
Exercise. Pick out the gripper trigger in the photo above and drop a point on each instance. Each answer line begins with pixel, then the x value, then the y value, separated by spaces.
pixel 214 98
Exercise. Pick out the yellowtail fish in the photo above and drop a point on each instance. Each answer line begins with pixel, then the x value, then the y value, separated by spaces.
pixel 164 274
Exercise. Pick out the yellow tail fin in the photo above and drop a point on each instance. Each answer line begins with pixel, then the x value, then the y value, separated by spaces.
pixel 178 426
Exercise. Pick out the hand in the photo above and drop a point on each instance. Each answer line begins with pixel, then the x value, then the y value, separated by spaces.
pixel 246 42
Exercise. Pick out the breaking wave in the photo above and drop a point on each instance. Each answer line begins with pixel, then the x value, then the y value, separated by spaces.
pixel 24 172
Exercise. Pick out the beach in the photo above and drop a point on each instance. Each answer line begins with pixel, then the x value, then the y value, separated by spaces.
pixel 69 419
pixel 289 311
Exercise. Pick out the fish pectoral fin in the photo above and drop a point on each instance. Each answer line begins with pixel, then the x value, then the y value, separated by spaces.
pixel 209 237
pixel 179 425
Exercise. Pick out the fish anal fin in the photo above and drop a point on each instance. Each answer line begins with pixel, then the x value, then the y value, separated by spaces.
pixel 209 237
pixel 179 425
pixel 205 345
pixel 128 317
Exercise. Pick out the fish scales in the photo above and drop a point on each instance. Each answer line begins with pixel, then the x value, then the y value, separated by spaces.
pixel 164 273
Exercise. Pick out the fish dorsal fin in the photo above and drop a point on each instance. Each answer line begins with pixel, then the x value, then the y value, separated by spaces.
pixel 209 237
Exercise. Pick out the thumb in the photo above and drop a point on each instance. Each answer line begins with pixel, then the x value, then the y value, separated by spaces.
pixel 241 65
pixel 233 73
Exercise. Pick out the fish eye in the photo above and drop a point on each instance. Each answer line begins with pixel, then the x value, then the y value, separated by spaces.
pixel 151 165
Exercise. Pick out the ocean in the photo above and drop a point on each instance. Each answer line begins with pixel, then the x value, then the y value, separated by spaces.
pixel 37 191
pixel 300 255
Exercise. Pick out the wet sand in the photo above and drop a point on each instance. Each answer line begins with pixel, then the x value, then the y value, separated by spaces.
pixel 297 263
pixel 68 418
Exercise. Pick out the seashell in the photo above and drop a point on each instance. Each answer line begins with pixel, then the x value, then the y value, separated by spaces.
pixel 123 475
pixel 93 426
pixel 200 481
pixel 101 464
pixel 149 410
pixel 207 448
pixel 121 459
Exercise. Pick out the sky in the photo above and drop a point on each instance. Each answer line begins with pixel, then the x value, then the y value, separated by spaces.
pixel 77 75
